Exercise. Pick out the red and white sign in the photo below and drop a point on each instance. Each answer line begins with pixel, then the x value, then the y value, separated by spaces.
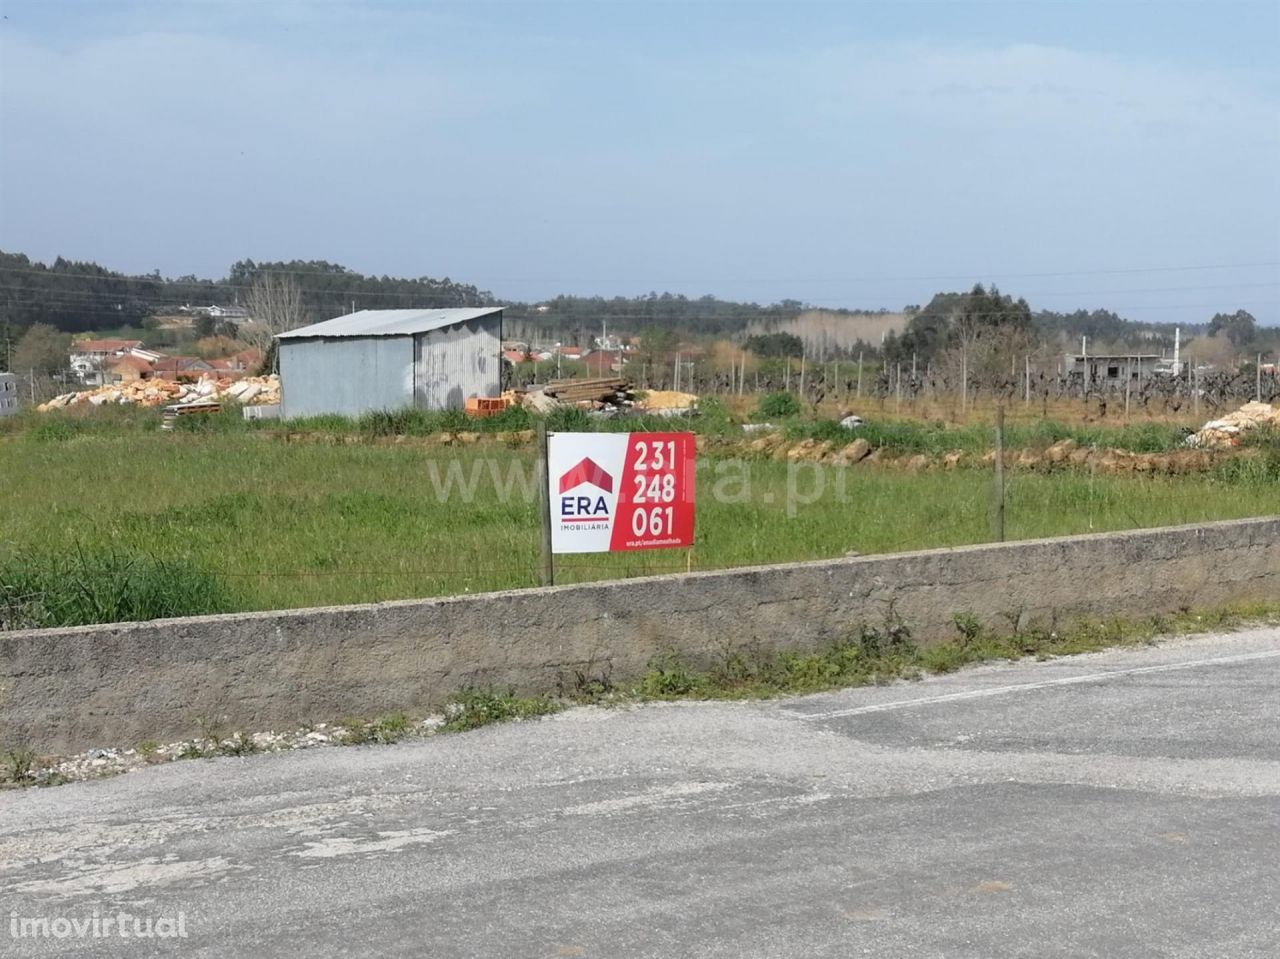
pixel 620 491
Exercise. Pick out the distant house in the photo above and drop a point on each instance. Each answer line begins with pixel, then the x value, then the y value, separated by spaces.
pixel 226 312
pixel 604 362
pixel 1106 369
pixel 127 369
pixel 246 361
pixel 513 356
pixel 144 354
pixel 572 352
pixel 89 358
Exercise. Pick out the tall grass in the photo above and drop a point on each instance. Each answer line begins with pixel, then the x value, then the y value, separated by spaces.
pixel 277 525
pixel 79 586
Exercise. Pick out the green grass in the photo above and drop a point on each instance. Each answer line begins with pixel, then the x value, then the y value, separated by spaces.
pixel 233 519
pixel 79 585
pixel 935 439
pixel 882 653
pixel 474 708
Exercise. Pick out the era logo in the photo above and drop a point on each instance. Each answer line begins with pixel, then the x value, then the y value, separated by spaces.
pixel 585 507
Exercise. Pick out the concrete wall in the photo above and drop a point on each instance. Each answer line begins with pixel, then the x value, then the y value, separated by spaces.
pixel 346 375
pixel 72 689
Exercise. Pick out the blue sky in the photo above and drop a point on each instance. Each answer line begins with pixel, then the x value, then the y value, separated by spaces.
pixel 846 154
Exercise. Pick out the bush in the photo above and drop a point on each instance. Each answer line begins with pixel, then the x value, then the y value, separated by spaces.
pixel 779 404
pixel 474 708
pixel 569 419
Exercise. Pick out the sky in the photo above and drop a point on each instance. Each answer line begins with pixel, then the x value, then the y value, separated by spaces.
pixel 858 154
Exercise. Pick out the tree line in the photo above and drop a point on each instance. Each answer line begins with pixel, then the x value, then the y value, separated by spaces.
pixel 982 327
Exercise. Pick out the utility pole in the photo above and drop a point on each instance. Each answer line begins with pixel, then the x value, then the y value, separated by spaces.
pixel 1128 381
pixel 1258 376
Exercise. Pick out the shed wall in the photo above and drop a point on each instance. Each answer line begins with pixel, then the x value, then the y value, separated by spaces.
pixel 8 394
pixel 458 362
pixel 348 375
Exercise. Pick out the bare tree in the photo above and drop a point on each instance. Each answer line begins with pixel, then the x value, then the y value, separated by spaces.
pixel 275 306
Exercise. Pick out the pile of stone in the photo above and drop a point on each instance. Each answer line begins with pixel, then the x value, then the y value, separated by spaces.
pixel 1065 454
pixel 1226 432
pixel 255 390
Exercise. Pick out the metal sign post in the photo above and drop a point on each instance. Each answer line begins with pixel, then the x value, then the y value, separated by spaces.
pixel 544 509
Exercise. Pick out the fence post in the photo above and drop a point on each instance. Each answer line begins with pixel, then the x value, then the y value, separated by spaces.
pixel 544 507
pixel 998 513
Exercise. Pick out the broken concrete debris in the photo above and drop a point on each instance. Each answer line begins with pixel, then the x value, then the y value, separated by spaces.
pixel 1225 432
pixel 258 390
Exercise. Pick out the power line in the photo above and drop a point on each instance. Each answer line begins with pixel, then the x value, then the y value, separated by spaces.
pixel 221 284
pixel 157 298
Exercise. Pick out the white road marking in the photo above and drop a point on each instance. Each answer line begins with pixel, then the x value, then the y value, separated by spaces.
pixel 1046 684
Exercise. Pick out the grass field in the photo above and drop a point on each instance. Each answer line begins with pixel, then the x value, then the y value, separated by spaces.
pixel 295 524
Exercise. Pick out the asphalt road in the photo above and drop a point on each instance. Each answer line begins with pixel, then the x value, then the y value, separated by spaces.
pixel 1122 804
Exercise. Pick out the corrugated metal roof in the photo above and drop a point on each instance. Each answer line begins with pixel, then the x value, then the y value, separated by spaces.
pixel 388 322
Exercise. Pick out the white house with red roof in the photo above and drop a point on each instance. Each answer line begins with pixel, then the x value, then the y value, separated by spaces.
pixel 89 358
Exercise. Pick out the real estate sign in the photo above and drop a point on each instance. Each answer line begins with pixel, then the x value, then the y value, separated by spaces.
pixel 620 491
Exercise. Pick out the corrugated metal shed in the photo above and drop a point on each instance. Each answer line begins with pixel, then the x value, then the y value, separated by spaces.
pixel 8 394
pixel 389 323
pixel 391 359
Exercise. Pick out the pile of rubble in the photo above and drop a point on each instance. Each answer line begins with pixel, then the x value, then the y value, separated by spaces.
pixel 1065 454
pixel 608 393
pixel 1219 434
pixel 255 390
pixel 604 395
